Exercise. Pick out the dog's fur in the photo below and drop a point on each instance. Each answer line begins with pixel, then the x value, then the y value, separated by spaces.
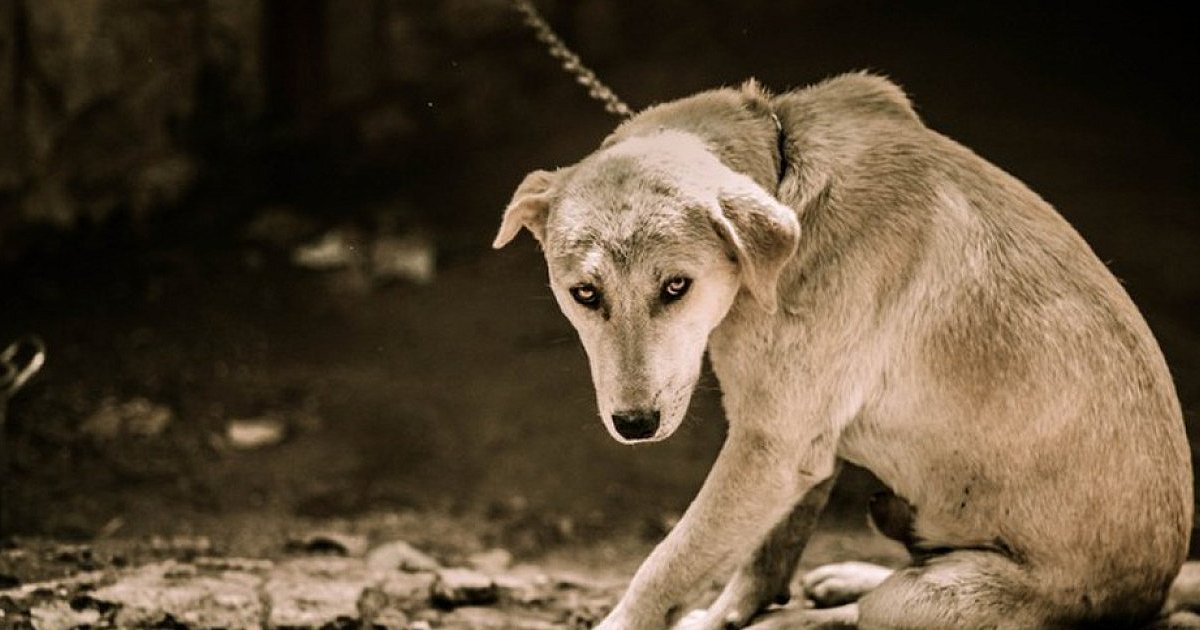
pixel 871 291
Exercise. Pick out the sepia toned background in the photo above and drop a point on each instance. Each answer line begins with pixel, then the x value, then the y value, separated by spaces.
pixel 254 235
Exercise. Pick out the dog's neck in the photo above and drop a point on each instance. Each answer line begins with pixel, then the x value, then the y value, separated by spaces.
pixel 741 129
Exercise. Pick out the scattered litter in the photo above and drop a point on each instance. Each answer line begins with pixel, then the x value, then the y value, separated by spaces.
pixel 406 258
pixel 382 260
pixel 252 433
pixel 336 249
pixel 137 417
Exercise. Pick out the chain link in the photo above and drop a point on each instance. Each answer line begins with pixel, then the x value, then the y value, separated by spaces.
pixel 570 61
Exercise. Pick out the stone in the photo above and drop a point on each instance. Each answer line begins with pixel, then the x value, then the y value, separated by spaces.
pixel 252 433
pixel 410 258
pixel 491 561
pixel 389 619
pixel 522 589
pixel 247 565
pixel 335 543
pixel 336 249
pixel 169 590
pixel 316 592
pixel 407 591
pixel 137 417
pixel 400 555
pixel 59 614
pixel 463 587
pixel 485 618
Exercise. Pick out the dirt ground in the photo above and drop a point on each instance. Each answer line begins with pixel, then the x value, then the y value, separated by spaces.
pixel 459 414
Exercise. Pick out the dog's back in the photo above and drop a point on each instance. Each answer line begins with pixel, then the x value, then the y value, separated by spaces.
pixel 1022 404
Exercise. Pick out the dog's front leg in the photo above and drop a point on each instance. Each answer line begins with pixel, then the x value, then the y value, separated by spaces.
pixel 755 481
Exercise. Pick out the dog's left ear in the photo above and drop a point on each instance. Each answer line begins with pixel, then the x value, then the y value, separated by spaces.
pixel 528 208
pixel 762 232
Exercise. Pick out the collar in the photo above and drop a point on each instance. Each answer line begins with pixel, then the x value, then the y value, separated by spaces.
pixel 781 147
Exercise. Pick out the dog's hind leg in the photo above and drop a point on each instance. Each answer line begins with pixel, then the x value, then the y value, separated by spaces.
pixel 844 582
pixel 967 589
pixel 765 578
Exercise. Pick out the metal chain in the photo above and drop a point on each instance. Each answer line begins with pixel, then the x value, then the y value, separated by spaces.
pixel 570 61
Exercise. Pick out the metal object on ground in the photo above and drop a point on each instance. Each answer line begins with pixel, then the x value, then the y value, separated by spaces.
pixel 18 363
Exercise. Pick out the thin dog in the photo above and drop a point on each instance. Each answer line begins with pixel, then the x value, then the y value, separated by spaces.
pixel 868 291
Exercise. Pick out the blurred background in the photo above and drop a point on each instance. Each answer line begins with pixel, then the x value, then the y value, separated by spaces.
pixel 254 236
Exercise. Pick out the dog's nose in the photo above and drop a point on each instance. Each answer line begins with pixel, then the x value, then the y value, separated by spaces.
pixel 636 424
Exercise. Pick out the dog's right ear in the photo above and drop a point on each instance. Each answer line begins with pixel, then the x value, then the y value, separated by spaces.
pixel 763 234
pixel 528 208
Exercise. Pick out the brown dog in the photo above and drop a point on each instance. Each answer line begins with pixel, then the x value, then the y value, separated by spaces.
pixel 869 291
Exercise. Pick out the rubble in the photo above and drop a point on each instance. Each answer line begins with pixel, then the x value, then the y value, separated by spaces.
pixel 491 561
pixel 463 587
pixel 346 592
pixel 334 543
pixel 137 417
pixel 319 591
pixel 252 433
pixel 400 555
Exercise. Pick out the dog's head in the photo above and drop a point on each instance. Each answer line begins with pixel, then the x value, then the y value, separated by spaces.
pixel 649 243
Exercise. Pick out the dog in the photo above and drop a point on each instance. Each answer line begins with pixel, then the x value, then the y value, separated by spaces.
pixel 868 291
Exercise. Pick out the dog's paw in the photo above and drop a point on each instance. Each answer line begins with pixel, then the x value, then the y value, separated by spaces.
pixel 796 617
pixel 842 582
pixel 694 620
pixel 743 597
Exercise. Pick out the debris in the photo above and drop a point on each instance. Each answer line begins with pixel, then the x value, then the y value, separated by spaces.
pixel 278 226
pixel 482 618
pixel 61 615
pixel 165 590
pixel 407 591
pixel 252 433
pixel 316 593
pixel 245 565
pixel 389 619
pixel 333 543
pixel 463 587
pixel 182 545
pixel 137 417
pixel 336 249
pixel 522 589
pixel 400 555
pixel 409 258
pixel 491 561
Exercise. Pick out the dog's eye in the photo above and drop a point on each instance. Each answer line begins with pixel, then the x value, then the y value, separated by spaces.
pixel 674 288
pixel 586 294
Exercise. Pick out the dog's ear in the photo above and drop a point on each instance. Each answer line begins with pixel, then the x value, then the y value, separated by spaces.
pixel 763 234
pixel 528 208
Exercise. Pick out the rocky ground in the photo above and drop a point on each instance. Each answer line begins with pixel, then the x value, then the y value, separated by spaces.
pixel 334 583
pixel 331 580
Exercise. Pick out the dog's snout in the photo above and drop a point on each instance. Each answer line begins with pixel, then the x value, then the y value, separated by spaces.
pixel 636 424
